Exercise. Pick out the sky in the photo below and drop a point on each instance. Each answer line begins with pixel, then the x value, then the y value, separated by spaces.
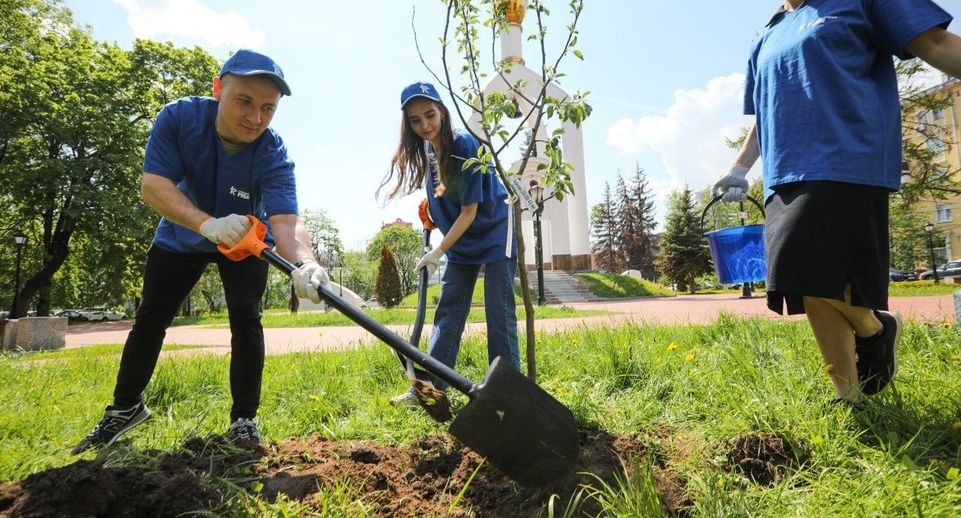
pixel 665 79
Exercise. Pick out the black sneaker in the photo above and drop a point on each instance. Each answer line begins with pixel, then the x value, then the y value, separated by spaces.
pixel 116 421
pixel 877 356
pixel 245 429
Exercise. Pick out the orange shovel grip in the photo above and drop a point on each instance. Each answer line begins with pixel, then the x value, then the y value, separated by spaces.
pixel 424 214
pixel 251 244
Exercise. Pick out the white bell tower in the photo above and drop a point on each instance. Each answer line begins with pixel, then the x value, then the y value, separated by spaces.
pixel 564 224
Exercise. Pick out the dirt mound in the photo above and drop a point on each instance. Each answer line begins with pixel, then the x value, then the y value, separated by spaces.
pixel 763 458
pixel 86 488
pixel 425 478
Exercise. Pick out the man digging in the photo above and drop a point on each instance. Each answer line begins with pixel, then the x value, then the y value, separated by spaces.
pixel 208 162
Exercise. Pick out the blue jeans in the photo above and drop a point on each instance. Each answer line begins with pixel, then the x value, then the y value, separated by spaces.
pixel 456 289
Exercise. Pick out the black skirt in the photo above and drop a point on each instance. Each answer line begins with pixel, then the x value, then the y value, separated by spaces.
pixel 821 236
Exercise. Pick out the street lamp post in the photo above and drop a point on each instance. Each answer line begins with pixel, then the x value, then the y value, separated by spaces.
pixel 928 227
pixel 537 192
pixel 19 240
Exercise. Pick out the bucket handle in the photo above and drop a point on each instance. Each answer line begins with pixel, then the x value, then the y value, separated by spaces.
pixel 718 198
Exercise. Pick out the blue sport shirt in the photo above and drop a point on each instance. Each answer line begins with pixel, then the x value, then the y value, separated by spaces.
pixel 821 81
pixel 490 237
pixel 184 147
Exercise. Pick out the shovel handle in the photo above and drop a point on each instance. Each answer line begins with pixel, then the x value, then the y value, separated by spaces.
pixel 422 277
pixel 251 244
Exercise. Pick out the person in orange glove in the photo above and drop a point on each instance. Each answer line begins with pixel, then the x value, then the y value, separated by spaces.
pixel 209 161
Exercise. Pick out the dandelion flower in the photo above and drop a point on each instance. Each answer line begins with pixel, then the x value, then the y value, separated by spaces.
pixel 689 357
pixel 315 397
pixel 671 346
pixel 953 474
pixel 827 369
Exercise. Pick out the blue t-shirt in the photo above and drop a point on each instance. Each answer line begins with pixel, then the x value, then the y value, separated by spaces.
pixel 821 81
pixel 490 236
pixel 184 147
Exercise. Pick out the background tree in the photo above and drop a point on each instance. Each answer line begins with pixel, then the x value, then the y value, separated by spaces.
pixel 210 289
pixel 908 241
pixel 387 286
pixel 923 139
pixel 684 253
pixel 357 273
pixel 636 216
pixel 405 245
pixel 324 236
pixel 468 23
pixel 604 246
pixel 72 155
pixel 623 229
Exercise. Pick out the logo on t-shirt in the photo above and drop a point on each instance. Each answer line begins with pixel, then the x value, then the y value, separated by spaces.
pixel 815 22
pixel 238 193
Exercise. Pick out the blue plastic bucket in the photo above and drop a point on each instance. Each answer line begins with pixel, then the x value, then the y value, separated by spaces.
pixel 738 254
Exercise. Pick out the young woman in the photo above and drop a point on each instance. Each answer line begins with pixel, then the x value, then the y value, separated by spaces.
pixel 470 208
pixel 822 84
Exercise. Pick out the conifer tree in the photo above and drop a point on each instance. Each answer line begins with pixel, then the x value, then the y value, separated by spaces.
pixel 637 220
pixel 684 253
pixel 624 224
pixel 604 228
pixel 387 286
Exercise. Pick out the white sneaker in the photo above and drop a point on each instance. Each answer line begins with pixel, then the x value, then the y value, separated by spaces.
pixel 408 398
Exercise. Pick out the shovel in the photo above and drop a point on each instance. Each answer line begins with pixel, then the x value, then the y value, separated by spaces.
pixel 432 400
pixel 516 425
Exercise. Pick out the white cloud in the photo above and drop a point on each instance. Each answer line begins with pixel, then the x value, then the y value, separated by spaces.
pixel 689 137
pixel 190 20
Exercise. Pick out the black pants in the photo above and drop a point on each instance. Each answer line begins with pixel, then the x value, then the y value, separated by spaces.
pixel 168 279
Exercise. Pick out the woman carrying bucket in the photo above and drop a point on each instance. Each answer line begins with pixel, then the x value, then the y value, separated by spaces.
pixel 822 84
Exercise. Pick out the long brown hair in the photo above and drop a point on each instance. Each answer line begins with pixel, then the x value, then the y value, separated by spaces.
pixel 411 162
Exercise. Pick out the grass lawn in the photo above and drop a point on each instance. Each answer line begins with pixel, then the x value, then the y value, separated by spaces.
pixel 687 392
pixel 400 316
pixel 918 288
pixel 611 285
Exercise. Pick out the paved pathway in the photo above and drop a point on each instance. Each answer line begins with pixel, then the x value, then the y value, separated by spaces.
pixel 693 309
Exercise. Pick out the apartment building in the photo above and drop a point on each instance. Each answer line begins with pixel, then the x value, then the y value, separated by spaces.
pixel 944 214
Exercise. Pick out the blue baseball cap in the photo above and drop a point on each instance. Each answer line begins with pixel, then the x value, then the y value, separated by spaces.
pixel 419 89
pixel 249 63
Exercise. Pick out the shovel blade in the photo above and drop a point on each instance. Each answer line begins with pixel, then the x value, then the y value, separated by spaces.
pixel 519 428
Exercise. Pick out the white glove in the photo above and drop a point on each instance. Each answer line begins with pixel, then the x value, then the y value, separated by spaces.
pixel 228 230
pixel 307 279
pixel 431 261
pixel 733 185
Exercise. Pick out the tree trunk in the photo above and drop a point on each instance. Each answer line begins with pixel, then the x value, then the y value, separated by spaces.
pixel 526 293
pixel 54 258
pixel 43 300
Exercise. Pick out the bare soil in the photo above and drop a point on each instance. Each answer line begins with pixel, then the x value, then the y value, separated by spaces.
pixel 421 479
pixel 764 458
